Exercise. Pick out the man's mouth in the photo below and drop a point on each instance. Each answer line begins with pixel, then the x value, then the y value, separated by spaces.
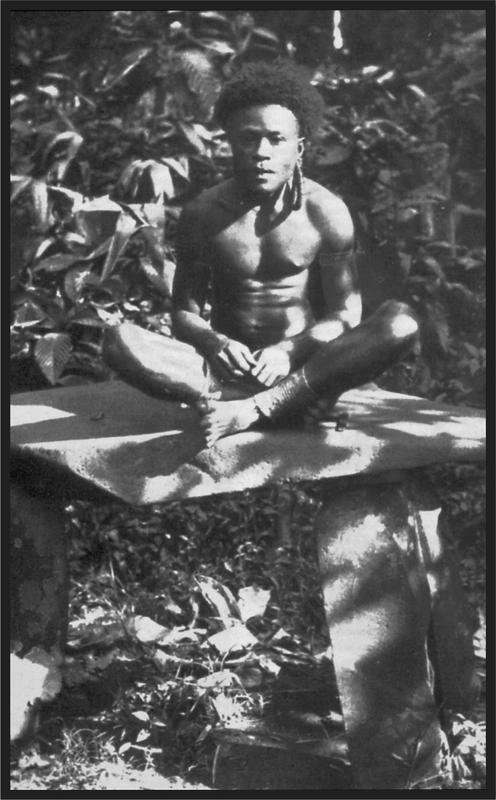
pixel 262 173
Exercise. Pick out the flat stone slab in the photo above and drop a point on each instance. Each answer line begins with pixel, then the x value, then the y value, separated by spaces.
pixel 145 450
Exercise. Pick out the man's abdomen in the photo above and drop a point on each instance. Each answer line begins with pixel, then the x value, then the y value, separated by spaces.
pixel 263 324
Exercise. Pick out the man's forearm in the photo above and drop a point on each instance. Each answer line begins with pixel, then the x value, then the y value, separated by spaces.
pixel 194 330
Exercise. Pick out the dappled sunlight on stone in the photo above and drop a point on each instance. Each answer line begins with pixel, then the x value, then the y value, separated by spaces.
pixel 28 415
pixel 145 450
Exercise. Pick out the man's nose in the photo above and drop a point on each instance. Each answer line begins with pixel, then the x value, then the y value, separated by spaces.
pixel 263 148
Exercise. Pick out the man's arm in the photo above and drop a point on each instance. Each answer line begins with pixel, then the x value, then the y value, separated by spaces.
pixel 340 291
pixel 191 281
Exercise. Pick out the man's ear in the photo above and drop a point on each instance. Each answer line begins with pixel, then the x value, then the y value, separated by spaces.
pixel 301 146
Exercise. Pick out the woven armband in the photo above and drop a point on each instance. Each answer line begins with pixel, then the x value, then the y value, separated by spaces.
pixel 293 393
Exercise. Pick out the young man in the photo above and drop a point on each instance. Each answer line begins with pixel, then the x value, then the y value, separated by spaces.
pixel 276 252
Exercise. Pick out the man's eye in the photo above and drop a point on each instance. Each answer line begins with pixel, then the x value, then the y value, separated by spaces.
pixel 277 139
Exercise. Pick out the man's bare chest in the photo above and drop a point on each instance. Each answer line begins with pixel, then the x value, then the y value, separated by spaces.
pixel 243 249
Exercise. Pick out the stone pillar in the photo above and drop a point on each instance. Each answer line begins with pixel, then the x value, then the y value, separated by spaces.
pixel 378 609
pixel 38 602
pixel 453 623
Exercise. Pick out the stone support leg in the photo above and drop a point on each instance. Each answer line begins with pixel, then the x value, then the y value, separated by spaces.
pixel 453 622
pixel 377 606
pixel 38 602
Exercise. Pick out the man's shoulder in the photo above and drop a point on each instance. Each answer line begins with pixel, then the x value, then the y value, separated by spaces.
pixel 207 205
pixel 317 196
pixel 328 212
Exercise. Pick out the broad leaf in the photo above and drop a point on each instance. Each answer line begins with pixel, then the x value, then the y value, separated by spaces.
pixel 252 602
pixel 202 78
pixel 19 183
pixel 125 228
pixel 28 315
pixel 193 137
pixel 78 279
pixel 141 715
pixel 161 180
pixel 52 353
pixel 127 64
pixel 221 599
pixel 97 219
pixel 74 199
pixel 214 16
pixel 39 194
pixel 145 629
pixel 176 635
pixel 59 153
pixel 55 263
pixel 233 639
pixel 265 33
pixel 179 165
pixel 154 275
pixel 217 680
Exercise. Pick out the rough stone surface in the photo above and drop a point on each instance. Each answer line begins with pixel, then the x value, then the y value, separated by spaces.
pixel 377 605
pixel 38 604
pixel 143 450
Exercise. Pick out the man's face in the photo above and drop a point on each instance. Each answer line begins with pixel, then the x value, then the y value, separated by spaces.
pixel 265 142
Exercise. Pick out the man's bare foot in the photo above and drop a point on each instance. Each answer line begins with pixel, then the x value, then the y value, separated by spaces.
pixel 223 417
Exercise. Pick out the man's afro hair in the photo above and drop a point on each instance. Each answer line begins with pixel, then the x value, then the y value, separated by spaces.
pixel 279 82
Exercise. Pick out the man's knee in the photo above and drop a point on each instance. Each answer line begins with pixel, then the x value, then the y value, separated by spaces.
pixel 398 321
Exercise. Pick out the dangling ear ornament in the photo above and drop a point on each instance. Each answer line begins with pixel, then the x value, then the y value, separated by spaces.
pixel 296 189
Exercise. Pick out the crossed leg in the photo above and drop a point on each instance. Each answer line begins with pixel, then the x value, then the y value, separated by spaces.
pixel 170 368
pixel 354 358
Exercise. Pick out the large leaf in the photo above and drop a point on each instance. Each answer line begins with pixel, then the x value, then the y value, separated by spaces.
pixel 19 183
pixel 125 66
pixel 202 79
pixel 145 629
pixel 156 276
pixel 161 180
pixel 192 136
pixel 67 197
pixel 52 353
pixel 28 315
pixel 179 165
pixel 39 194
pixel 97 220
pixel 235 638
pixel 252 602
pixel 59 153
pixel 221 599
pixel 77 279
pixel 55 263
pixel 125 228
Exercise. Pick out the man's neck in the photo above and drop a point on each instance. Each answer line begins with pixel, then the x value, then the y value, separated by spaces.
pixel 271 205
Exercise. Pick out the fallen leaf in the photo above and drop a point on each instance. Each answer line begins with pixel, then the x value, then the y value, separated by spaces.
pixel 141 715
pixel 216 680
pixel 234 638
pixel 252 602
pixel 145 629
pixel 221 599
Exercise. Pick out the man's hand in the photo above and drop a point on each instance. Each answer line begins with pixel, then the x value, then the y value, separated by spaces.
pixel 272 365
pixel 234 360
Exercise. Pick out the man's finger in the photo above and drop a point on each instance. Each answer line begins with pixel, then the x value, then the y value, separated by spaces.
pixel 238 360
pixel 256 370
pixel 250 357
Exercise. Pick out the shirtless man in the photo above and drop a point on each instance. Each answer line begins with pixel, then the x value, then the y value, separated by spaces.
pixel 276 252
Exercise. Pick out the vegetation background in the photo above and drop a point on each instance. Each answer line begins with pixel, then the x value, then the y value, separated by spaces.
pixel 111 133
